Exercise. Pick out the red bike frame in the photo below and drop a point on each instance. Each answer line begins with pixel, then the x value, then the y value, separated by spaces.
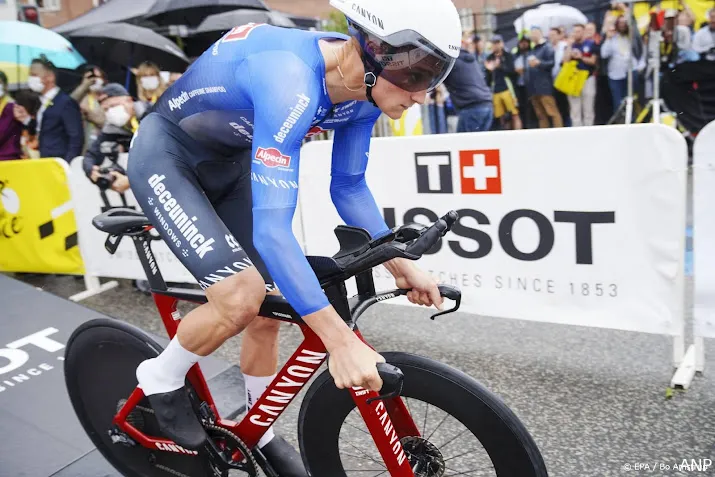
pixel 387 420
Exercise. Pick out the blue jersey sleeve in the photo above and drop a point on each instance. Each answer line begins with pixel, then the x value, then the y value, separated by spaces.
pixel 349 191
pixel 285 93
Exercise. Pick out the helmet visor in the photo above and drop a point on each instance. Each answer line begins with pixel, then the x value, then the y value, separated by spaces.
pixel 408 61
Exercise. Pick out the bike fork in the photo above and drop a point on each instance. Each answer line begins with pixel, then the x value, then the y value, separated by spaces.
pixel 389 422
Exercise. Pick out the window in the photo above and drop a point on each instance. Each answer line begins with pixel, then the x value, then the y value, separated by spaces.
pixel 49 5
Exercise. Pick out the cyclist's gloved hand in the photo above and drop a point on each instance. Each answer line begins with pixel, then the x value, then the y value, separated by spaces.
pixel 353 363
pixel 424 287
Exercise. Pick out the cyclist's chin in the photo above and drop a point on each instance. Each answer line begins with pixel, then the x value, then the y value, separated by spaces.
pixel 395 112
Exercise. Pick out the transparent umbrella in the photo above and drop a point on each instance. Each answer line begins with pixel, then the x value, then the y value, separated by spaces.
pixel 549 16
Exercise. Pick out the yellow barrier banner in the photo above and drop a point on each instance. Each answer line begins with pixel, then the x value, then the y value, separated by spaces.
pixel 38 231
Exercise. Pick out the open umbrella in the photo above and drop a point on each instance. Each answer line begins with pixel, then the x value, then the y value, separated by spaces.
pixel 20 42
pixel 128 45
pixel 193 12
pixel 549 16
pixel 221 22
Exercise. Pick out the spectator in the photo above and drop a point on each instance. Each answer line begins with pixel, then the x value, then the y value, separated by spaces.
pixel 10 128
pixel 704 39
pixel 122 120
pixel 172 78
pixel 150 85
pixel 85 94
pixel 58 124
pixel 436 111
pixel 500 65
pixel 539 83
pixel 523 48
pixel 584 51
pixel 620 53
pixel 479 49
pixel 558 43
pixel 31 102
pixel 590 33
pixel 469 92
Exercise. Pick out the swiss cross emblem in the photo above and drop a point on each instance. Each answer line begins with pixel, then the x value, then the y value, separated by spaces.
pixel 240 32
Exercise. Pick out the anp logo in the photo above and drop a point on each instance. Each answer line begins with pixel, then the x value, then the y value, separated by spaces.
pixel 480 171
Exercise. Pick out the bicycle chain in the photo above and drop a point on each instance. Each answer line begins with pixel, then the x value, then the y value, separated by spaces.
pixel 247 454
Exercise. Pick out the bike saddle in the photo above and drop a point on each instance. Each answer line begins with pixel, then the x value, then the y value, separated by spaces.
pixel 121 221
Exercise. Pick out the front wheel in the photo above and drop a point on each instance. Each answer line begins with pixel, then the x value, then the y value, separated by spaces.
pixel 464 428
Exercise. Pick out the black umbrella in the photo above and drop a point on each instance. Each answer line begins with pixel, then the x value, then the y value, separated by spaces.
pixel 127 45
pixel 193 12
pixel 221 22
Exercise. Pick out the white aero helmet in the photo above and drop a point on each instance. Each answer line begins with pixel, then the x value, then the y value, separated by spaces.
pixel 413 44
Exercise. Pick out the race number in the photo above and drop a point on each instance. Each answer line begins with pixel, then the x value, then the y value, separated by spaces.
pixel 240 32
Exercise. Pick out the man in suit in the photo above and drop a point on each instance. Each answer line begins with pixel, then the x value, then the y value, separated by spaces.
pixel 59 121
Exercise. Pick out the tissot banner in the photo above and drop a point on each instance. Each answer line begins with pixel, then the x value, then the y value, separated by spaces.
pixel 582 226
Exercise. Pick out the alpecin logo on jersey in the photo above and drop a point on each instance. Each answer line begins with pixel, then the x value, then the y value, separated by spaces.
pixel 272 157
pixel 295 113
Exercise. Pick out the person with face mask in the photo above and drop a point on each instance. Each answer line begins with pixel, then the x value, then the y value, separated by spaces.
pixel 122 115
pixel 93 80
pixel 58 123
pixel 150 85
pixel 10 128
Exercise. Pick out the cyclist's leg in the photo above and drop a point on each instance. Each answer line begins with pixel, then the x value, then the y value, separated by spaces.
pixel 259 341
pixel 166 187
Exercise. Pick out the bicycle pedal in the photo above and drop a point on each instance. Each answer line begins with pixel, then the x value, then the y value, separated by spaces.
pixel 119 437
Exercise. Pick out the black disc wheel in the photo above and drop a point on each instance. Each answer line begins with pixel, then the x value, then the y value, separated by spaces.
pixel 100 364
pixel 465 430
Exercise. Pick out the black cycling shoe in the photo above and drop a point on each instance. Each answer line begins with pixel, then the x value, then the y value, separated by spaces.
pixel 284 459
pixel 177 419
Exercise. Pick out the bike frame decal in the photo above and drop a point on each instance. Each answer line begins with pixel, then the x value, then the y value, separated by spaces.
pixel 387 420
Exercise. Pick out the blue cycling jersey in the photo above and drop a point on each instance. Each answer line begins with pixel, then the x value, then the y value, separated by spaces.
pixel 264 87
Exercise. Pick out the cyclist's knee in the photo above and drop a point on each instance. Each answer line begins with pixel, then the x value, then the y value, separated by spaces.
pixel 237 299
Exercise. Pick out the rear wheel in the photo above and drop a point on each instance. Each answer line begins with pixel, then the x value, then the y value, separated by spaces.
pixel 464 428
pixel 100 363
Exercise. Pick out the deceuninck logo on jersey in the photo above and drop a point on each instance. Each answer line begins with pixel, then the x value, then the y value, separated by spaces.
pixel 479 172
pixel 272 157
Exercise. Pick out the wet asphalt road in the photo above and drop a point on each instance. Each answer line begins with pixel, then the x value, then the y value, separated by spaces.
pixel 593 399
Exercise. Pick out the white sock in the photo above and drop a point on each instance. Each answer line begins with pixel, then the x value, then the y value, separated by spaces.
pixel 255 385
pixel 167 371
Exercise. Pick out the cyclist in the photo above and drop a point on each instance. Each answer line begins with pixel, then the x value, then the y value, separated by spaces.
pixel 215 168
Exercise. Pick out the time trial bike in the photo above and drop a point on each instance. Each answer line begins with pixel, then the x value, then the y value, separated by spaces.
pixel 102 355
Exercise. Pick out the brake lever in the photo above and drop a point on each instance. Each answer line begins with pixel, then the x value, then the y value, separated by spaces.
pixel 452 293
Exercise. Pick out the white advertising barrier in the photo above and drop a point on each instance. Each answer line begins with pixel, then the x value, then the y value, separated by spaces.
pixel 704 237
pixel 581 226
pixel 125 262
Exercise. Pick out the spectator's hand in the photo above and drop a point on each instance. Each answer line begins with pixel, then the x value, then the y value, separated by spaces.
pixel 88 78
pixel 490 65
pixel 20 113
pixel 121 182
pixel 576 54
pixel 534 62
pixel 94 175
pixel 610 32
